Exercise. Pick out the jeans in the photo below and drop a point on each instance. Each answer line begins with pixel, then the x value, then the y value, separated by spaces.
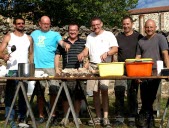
pixel 148 90
pixel 132 89
pixel 9 95
pixel 132 102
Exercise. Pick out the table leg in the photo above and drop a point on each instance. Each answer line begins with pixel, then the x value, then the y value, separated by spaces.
pixel 87 105
pixel 27 103
pixel 13 102
pixel 70 104
pixel 164 114
pixel 46 104
pixel 167 124
pixel 54 105
pixel 67 115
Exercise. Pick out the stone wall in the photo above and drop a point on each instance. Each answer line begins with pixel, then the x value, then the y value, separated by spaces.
pixel 83 31
pixel 161 19
pixel 166 21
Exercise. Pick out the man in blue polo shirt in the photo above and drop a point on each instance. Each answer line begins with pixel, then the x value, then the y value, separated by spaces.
pixel 45 45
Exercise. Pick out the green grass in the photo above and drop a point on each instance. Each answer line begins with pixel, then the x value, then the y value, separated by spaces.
pixel 85 116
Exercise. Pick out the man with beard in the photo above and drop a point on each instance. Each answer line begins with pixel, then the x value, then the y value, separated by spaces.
pixel 24 48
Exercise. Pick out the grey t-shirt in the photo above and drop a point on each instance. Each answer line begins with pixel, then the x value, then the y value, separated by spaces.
pixel 152 48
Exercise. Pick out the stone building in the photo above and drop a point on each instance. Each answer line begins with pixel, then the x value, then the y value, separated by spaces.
pixel 159 14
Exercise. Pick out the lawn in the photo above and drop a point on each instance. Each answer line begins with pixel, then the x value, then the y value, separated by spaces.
pixel 84 114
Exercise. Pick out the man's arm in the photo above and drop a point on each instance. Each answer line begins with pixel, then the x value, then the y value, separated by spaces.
pixel 83 54
pixel 166 58
pixel 3 46
pixel 57 63
pixel 138 56
pixel 64 45
pixel 111 52
pixel 30 50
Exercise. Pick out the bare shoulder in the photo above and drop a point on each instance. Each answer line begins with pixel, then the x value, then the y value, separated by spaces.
pixel 6 38
pixel 29 37
pixel 5 41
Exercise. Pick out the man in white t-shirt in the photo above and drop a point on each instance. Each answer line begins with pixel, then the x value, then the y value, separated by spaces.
pixel 100 46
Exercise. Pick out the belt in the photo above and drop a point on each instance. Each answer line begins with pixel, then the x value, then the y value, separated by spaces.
pixel 93 63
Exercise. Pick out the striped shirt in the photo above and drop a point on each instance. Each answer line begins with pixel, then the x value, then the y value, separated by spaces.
pixel 70 60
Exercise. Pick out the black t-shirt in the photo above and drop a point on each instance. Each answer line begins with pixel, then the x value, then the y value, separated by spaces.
pixel 70 60
pixel 127 45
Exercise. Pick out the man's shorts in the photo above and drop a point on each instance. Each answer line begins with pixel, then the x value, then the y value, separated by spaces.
pixel 126 84
pixel 52 84
pixel 74 89
pixel 94 85
pixel 120 83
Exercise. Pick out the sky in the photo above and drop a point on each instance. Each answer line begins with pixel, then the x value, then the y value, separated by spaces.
pixel 152 3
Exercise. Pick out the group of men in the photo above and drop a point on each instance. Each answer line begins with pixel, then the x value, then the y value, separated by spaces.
pixel 45 47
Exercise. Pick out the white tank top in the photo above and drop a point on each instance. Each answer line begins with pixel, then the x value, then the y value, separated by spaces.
pixel 21 54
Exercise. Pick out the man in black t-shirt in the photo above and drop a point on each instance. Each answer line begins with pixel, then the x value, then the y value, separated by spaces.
pixel 127 42
pixel 70 61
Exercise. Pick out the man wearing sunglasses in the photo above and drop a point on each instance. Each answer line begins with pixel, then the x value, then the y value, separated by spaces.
pixel 22 54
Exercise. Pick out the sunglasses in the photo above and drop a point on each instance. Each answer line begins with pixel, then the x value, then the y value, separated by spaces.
pixel 20 23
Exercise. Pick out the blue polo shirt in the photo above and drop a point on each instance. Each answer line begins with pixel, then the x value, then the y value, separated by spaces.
pixel 45 45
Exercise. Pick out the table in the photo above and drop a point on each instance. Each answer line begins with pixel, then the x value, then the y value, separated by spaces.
pixel 65 88
pixel 83 78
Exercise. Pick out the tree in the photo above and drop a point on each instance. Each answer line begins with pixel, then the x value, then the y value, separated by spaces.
pixel 62 12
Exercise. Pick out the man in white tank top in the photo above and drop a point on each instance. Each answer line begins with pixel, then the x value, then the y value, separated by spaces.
pixel 22 54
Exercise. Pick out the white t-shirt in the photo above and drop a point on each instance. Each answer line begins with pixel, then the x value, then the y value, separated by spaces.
pixel 99 44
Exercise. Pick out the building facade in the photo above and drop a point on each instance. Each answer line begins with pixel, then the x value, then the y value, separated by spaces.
pixel 159 14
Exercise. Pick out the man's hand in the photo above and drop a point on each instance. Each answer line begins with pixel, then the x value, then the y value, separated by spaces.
pixel 138 81
pixel 58 72
pixel 86 65
pixel 103 57
pixel 66 46
pixel 80 56
pixel 6 57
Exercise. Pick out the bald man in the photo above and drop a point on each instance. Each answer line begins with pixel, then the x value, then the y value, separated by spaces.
pixel 45 45
pixel 153 46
